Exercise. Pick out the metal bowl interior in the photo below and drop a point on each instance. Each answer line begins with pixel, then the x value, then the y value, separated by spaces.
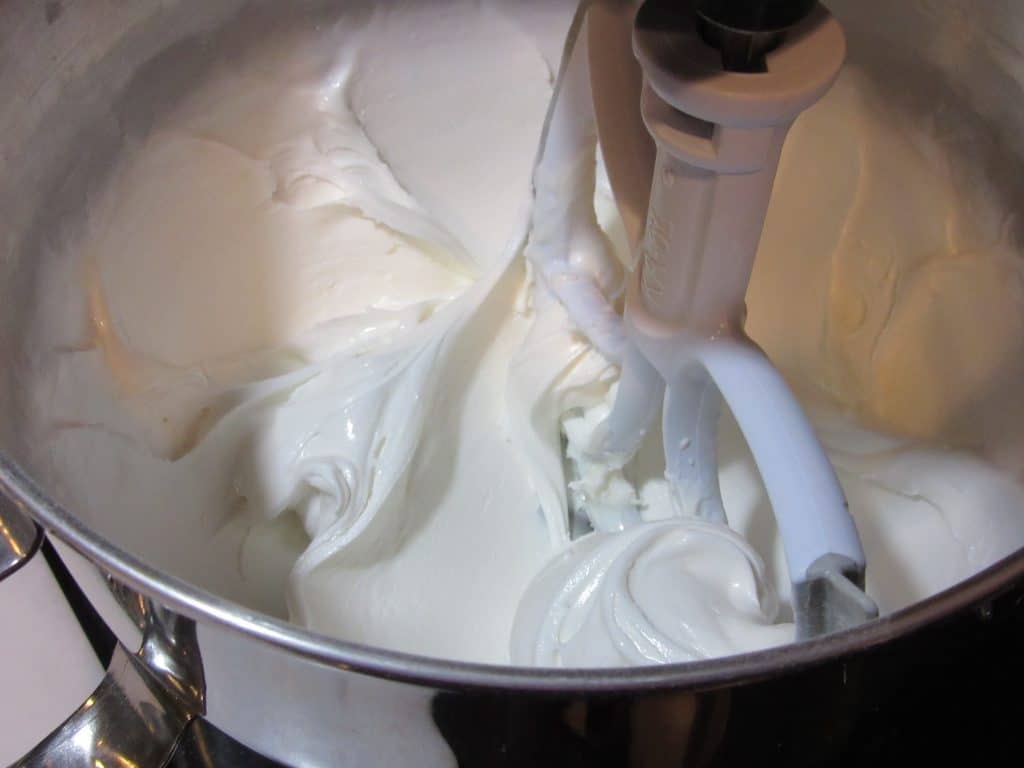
pixel 67 73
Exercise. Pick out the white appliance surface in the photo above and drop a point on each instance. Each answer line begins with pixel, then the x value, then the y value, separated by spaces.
pixel 48 669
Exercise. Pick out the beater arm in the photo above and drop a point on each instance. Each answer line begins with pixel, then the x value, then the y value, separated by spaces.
pixel 718 102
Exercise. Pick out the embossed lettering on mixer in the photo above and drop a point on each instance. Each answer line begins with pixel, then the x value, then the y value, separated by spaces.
pixel 298 358
pixel 657 245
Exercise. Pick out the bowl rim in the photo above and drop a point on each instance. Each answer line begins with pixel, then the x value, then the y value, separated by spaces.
pixel 203 606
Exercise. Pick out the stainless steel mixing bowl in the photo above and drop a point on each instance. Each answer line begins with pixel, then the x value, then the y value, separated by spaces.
pixel 75 77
